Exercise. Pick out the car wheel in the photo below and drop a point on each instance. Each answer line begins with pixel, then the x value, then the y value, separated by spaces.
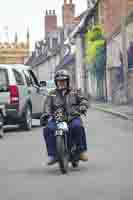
pixel 1 126
pixel 27 119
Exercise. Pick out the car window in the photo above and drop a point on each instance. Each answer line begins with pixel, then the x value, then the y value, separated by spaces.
pixel 27 78
pixel 33 78
pixel 18 77
pixel 50 84
pixel 3 80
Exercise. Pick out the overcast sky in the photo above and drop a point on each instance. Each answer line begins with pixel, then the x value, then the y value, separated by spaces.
pixel 17 15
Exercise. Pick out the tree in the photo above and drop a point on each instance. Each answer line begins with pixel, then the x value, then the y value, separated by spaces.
pixel 95 51
pixel 95 55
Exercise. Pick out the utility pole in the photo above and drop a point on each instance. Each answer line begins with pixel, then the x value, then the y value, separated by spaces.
pixel 124 53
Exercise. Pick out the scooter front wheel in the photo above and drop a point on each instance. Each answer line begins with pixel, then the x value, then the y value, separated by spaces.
pixel 62 154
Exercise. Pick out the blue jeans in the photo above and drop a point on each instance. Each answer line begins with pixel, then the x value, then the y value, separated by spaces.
pixel 76 131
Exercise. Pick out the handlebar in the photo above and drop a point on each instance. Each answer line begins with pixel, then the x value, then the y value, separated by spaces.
pixel 78 114
pixel 59 115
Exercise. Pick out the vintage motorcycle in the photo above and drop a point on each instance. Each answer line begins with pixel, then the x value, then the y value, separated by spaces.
pixel 66 151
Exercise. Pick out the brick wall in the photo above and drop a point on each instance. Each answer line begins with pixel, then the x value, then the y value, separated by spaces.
pixel 112 11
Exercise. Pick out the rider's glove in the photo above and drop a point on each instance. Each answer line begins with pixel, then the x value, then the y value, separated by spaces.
pixel 83 109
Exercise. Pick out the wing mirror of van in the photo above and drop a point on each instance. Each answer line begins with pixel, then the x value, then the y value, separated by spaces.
pixel 43 83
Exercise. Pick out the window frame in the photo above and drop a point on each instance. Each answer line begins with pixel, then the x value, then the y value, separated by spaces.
pixel 5 88
pixel 15 71
pixel 27 78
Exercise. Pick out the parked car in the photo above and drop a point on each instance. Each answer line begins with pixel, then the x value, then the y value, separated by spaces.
pixel 22 95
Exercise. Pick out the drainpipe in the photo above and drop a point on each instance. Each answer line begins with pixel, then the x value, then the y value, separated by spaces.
pixel 125 61
pixel 106 89
pixel 79 68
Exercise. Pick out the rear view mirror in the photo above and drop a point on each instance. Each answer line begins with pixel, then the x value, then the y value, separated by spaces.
pixel 43 83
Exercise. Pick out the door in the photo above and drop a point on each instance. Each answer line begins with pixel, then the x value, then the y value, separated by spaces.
pixel 19 79
pixel 37 95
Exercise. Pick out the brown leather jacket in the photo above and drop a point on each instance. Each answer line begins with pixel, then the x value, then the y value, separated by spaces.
pixel 71 101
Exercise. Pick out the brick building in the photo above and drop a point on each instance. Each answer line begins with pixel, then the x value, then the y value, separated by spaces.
pixel 68 17
pixel 15 52
pixel 111 12
pixel 68 12
pixel 47 54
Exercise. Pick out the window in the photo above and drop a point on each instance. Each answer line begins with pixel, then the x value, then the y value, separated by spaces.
pixel 27 78
pixel 33 78
pixel 30 78
pixel 55 42
pixel 18 77
pixel 3 80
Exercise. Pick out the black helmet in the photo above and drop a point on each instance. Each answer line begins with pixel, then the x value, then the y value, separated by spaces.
pixel 62 75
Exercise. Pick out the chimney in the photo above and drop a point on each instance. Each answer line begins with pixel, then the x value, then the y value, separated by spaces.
pixel 50 22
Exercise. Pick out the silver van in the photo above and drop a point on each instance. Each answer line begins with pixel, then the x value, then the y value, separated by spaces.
pixel 22 95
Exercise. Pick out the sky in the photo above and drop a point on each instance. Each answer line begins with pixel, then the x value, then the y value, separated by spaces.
pixel 17 15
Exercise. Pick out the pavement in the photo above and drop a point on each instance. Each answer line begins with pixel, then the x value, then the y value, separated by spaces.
pixel 122 111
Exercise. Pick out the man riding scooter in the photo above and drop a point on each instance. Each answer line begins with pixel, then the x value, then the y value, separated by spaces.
pixel 72 101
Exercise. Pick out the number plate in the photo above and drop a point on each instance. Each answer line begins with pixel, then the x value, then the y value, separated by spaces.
pixel 59 132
